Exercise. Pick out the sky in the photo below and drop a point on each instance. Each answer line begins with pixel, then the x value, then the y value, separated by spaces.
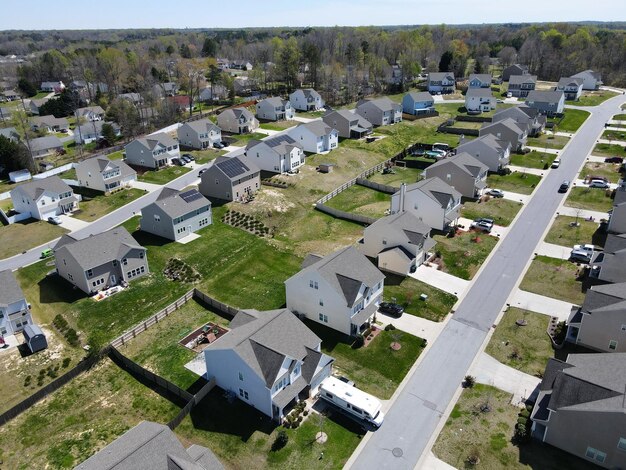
pixel 116 14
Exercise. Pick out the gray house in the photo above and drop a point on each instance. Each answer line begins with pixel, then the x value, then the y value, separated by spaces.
pixel 580 408
pixel 44 146
pixel 549 103
pixel 348 124
pixel 617 216
pixel 237 121
pixel 10 133
pixel 527 119
pixel 49 124
pixel 230 179
pixel 609 266
pixel 489 150
pixel 380 111
pixel 441 83
pixel 150 446
pixel 199 134
pixel 153 151
pixel 463 172
pixel 479 80
pixel 507 130
pixel 418 102
pixel 591 80
pixel 92 132
pixel 514 70
pixel 274 109
pixel 14 310
pixel 176 214
pixel 100 261
pixel 571 86
pixel 306 99
pixel 521 85
pixel 104 175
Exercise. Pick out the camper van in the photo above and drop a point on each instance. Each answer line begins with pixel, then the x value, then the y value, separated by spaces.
pixel 353 401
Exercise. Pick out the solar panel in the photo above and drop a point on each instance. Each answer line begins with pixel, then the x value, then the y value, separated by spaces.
pixel 279 139
pixel 233 167
pixel 191 195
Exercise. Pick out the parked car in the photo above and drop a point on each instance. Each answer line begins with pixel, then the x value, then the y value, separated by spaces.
pixel 495 193
pixel 556 163
pixel 189 157
pixel 582 253
pixel 598 184
pixel 483 224
pixel 564 186
pixel 178 161
pixel 614 160
pixel 47 253
pixel 185 159
pixel 509 95
pixel 55 220
pixel 390 308
pixel 218 145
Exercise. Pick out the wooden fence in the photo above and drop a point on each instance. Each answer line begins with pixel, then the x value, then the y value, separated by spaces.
pixel 195 399
pixel 220 307
pixel 457 130
pixel 339 214
pixel 383 188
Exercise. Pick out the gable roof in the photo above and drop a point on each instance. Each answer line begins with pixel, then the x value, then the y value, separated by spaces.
pixel 612 265
pixel 349 116
pixel 152 140
pixel 436 189
pixel 176 203
pixel 489 141
pixel 36 188
pixel 406 223
pixel 233 167
pixel 202 126
pixel 281 143
pixel 438 76
pixel 100 163
pixel 588 74
pixel 479 92
pixel 275 101
pixel 45 143
pixel 544 96
pixel 383 103
pixel 605 295
pixel 615 242
pixel 94 127
pixel 10 291
pixel 238 112
pixel 521 79
pixel 483 77
pixel 9 133
pixel 309 93
pixel 317 127
pixel 465 162
pixel 507 122
pixel 569 81
pixel 89 110
pixel 419 96
pixel 49 121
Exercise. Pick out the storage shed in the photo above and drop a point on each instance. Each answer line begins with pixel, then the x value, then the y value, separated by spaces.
pixel 19 176
pixel 35 339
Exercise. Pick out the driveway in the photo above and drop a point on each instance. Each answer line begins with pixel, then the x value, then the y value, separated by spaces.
pixel 541 304
pixel 443 281
pixel 554 251
pixel 72 224
pixel 414 325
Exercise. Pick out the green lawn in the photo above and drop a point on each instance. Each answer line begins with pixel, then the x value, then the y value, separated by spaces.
pixel 526 348
pixel 489 435
pixel 400 175
pixel 95 207
pixel 574 118
pixel 609 150
pixel 164 175
pixel 407 291
pixel 25 235
pixel 278 125
pixel 614 135
pixel 361 200
pixel 502 211
pixel 619 117
pixel 464 254
pixel 243 139
pixel 205 156
pixel 516 182
pixel 116 155
pixel 310 114
pixel 593 199
pixel 533 159
pixel 594 98
pixel 554 278
pixel 609 171
pixel 548 141
pixel 565 234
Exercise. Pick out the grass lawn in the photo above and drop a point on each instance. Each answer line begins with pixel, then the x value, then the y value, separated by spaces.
pixel 594 98
pixel 310 114
pixel 502 211
pixel 564 234
pixel 619 117
pixel 116 155
pixel 74 422
pixel 406 292
pixel 533 159
pixel 574 118
pixel 400 175
pixel 361 200
pixel 526 348
pixel 25 235
pixel 163 176
pixel 593 199
pixel 488 434
pixel 205 156
pixel 461 256
pixel 94 208
pixel 609 171
pixel 516 182
pixel 554 278
pixel 243 139
pixel 614 135
pixel 278 125
pixel 608 150
pixel 548 141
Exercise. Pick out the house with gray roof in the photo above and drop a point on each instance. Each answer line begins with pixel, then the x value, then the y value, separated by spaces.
pixel 349 125
pixel 153 151
pixel 90 113
pixel 441 83
pixel 134 98
pixel 215 93
pixel 277 154
pixel 617 215
pixel 104 175
pixel 609 266
pixel 549 103
pixel 49 124
pixel 418 102
pixel 151 446
pixel 43 198
pixel 14 310
pixel 526 118
pixel 463 172
pixel 176 214
pixel 489 150
pixel 199 135
pixel 35 104
pixel 315 136
pixel 44 146
pixel 269 360
pixel 432 200
pixel 521 85
pixel 514 70
pixel 341 290
pixel 591 80
pixel 274 109
pixel 92 132
pixel 380 111
pixel 479 80
pixel 581 408
pixel 165 89
pixel 507 130
pixel 479 100
pixel 231 179
pixel 10 133
pixel 399 242
pixel 237 121
pixel 9 95
pixel 571 86
pixel 56 86
pixel 306 99
pixel 100 261
pixel 600 322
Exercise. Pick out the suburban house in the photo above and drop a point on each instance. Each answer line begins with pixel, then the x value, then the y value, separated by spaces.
pixel 507 130
pixel 600 323
pixel 513 71
pixel 274 109
pixel 153 151
pixel 47 145
pixel 572 87
pixel 341 290
pixel 489 150
pixel 165 89
pixel 9 95
pixel 134 98
pixel 278 154
pixel 35 104
pixel 580 408
pixel 151 446
pixel 441 83
pixel 591 80
pixel 617 216
pixel 549 103
pixel 92 132
pixel 90 113
pixel 230 179
pixel 521 85
pixel 269 360
pixel 306 99
pixel 479 80
pixel 218 92
pixel 463 172
pixel 349 125
pixel 176 214
pixel 14 310
pixel 100 261
pixel 240 65
pixel 394 74
pixel 380 111
pixel 237 121
pixel 55 87
pixel 432 200
pixel 10 133
pixel 44 198
pixel 399 242
pixel 49 124
pixel 104 175
pixel 242 86
pixel 199 134
pixel 315 136
pixel 527 119
pixel 479 100
pixel 609 266
pixel 418 102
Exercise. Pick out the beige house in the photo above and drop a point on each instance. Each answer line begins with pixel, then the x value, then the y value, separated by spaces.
pixel 104 175
pixel 463 172
pixel 230 179
pixel 237 121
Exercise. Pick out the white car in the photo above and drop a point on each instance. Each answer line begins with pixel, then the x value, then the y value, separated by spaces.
pixel 55 220
pixel 556 163
pixel 582 252
pixel 495 193
pixel 598 184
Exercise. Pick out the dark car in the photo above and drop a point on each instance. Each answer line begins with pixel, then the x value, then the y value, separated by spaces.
pixel 202 171
pixel 564 187
pixel 614 160
pixel 177 161
pixel 218 145
pixel 390 308
pixel 483 224
pixel 189 157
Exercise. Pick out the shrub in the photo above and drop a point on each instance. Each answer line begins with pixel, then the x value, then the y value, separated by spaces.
pixel 306 412
pixel 358 342
pixel 559 332
pixel 546 166
pixel 469 381
pixel 524 413
pixel 390 327
pixel 424 342
pixel 280 441
pixel 522 420
pixel 27 380
pixel 66 362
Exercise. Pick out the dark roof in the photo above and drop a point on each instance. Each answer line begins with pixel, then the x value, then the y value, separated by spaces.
pixel 234 167
pixel 483 77
pixel 419 96
pixel 438 76
pixel 405 223
pixel 544 96
pixel 99 164
pixel 612 266
pixel 202 126
pixel 519 79
pixel 10 290
pixel 436 189
pixel 604 295
pixel 45 143
pixel 569 81
pixel 34 189
pixel 282 143
pixel 480 92
pixel 615 242
pixel 464 161
pixel 178 203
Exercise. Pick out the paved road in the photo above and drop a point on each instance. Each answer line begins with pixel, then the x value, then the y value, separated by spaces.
pixel 418 409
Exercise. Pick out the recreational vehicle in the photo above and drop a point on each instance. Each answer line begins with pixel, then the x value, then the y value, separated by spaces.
pixel 353 401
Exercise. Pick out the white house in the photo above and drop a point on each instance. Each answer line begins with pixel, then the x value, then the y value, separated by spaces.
pixel 14 310
pixel 591 80
pixel 341 290
pixel 104 175
pixel 278 154
pixel 56 87
pixel 153 151
pixel 199 134
pixel 315 136
pixel 274 109
pixel 479 100
pixel 269 360
pixel 92 132
pixel 572 87
pixel 90 113
pixel 44 198
pixel 306 99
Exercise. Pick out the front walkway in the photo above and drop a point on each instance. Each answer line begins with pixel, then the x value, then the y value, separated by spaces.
pixel 443 281
pixel 553 251
pixel 433 463
pixel 541 304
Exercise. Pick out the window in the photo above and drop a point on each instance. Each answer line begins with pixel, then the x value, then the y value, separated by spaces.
pixel 243 393
pixel 595 454
pixel 70 276
pixel 323 318
pixel 623 327
pixel 321 302
pixel 124 261
pixel 384 241
pixel 622 443
pixel 240 375
pixel 613 345
pixel 315 285
pixel 90 272
pixel 157 218
pixel 311 284
pixel 114 263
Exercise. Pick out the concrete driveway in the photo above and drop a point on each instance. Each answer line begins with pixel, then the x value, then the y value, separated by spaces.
pixel 442 281
pixel 414 325
pixel 71 223
pixel 554 251
pixel 541 304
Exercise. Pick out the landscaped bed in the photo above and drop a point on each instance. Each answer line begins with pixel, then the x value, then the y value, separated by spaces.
pixel 516 182
pixel 534 159
pixel 463 254
pixel 569 231
pixel 407 291
pixel 555 278
pixel 361 200
pixel 593 199
pixel 502 211
pixel 610 171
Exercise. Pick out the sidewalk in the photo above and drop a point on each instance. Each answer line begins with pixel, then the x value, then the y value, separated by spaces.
pixel 443 281
pixel 612 142
pixel 582 213
pixel 553 251
pixel 433 463
pixel 541 304
pixel 146 186
pixel 304 119
pixel 416 326
pixel 595 159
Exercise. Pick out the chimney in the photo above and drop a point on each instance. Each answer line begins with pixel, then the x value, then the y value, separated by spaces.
pixel 402 197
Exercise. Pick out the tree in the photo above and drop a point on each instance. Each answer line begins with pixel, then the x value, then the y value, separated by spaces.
pixel 209 48
pixel 126 115
pixel 26 87
pixel 108 133
pixel 445 61
pixel 507 56
pixel 185 52
pixel 288 61
pixel 15 155
pixel 63 106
